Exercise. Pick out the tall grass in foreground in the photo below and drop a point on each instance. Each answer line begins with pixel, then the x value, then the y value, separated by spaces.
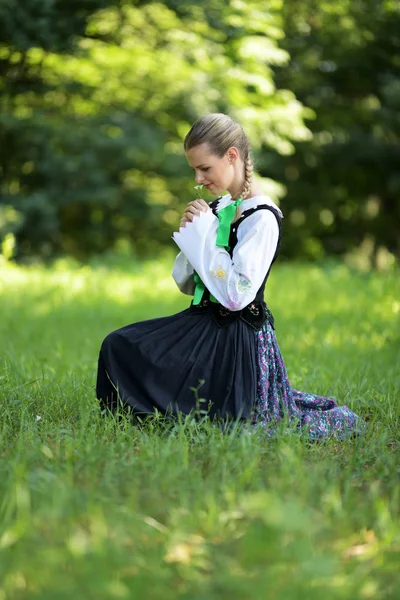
pixel 92 507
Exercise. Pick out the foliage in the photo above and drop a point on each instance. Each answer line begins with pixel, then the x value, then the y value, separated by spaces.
pixel 96 97
pixel 92 124
pixel 343 185
pixel 96 508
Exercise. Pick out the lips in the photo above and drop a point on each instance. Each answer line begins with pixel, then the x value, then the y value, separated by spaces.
pixel 208 185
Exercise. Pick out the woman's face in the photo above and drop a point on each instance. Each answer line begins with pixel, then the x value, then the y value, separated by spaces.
pixel 214 173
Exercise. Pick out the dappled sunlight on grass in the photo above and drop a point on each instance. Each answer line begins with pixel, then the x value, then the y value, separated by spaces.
pixel 318 311
pixel 84 282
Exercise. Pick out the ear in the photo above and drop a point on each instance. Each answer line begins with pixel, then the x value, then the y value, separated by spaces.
pixel 232 154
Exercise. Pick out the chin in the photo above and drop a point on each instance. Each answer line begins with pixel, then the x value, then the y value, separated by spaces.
pixel 216 191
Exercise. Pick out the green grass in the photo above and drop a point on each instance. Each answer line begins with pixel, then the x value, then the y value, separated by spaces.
pixel 91 507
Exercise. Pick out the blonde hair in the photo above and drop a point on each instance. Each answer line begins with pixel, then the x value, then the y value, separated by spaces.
pixel 221 132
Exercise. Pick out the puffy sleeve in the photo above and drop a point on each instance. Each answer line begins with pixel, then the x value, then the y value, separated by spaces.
pixel 233 281
pixel 183 274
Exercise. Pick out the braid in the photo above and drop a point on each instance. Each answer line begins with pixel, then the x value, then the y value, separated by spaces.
pixel 248 178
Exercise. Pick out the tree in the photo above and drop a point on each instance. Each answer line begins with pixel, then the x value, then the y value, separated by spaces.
pixel 96 104
pixel 343 185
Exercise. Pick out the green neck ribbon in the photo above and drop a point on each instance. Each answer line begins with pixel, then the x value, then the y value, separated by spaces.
pixel 225 217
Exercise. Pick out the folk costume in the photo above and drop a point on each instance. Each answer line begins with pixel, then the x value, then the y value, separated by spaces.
pixel 224 343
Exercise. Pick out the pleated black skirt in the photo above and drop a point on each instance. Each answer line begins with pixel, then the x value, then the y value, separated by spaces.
pixel 155 364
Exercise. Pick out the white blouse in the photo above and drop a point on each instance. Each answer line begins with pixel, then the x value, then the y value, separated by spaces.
pixel 233 281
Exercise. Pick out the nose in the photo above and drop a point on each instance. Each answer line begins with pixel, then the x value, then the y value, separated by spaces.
pixel 199 178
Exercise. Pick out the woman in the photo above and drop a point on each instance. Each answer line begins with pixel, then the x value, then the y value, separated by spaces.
pixel 225 341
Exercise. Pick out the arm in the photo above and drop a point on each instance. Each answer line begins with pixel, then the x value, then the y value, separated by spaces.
pixel 183 274
pixel 234 282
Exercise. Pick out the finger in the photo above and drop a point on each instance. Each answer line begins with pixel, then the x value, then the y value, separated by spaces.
pixel 199 204
pixel 204 204
pixel 185 221
pixel 192 210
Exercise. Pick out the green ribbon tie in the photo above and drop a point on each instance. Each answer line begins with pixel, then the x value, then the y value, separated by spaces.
pixel 199 290
pixel 225 217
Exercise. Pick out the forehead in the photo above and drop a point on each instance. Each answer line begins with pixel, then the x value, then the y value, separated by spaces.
pixel 200 155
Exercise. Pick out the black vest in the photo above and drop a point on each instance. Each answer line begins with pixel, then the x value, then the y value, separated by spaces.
pixel 256 313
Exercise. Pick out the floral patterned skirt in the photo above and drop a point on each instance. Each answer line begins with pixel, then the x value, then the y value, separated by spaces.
pixel 317 416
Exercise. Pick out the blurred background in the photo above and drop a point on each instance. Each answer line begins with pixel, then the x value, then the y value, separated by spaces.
pixel 96 97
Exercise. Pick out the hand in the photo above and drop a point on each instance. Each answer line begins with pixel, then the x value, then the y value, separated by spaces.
pixel 194 209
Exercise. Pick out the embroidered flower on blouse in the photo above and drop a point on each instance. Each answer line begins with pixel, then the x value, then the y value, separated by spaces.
pixel 233 303
pixel 244 285
pixel 219 273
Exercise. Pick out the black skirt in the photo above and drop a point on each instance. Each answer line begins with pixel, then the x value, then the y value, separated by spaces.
pixel 155 364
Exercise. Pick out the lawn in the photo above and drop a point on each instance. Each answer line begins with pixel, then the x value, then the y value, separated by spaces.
pixel 95 508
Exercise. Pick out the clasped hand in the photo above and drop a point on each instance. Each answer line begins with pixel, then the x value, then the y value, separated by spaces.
pixel 194 209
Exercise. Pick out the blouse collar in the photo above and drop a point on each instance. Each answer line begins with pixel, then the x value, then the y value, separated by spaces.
pixel 250 202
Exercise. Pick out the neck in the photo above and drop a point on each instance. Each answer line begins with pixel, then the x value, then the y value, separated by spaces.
pixel 254 191
pixel 236 188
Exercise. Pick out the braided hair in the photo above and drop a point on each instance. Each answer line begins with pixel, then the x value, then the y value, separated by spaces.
pixel 248 179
